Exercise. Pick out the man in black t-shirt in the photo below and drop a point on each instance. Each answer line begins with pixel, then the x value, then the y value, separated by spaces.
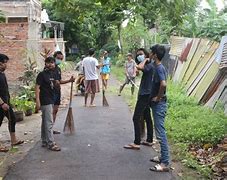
pixel 45 83
pixel 5 107
pixel 57 89
pixel 142 105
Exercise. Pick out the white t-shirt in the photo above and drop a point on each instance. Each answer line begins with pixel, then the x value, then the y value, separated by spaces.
pixel 89 64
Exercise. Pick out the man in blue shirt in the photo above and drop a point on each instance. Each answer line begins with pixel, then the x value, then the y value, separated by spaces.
pixel 159 108
pixel 142 105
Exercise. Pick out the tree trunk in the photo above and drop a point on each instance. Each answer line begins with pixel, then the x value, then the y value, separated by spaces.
pixel 119 37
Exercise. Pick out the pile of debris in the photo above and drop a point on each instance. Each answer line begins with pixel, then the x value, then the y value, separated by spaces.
pixel 214 157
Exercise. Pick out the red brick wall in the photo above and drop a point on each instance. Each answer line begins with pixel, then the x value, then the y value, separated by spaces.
pixel 13 43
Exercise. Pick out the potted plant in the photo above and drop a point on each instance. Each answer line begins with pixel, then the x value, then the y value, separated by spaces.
pixel 18 108
pixel 29 107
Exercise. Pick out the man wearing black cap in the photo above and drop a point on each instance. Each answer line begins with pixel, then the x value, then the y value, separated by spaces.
pixel 5 107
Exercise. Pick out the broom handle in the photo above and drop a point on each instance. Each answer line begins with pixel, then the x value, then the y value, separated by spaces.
pixel 71 95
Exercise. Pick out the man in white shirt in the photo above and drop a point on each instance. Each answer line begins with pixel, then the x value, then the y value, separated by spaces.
pixel 90 65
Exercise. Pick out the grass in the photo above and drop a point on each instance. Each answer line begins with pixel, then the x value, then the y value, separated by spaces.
pixel 186 123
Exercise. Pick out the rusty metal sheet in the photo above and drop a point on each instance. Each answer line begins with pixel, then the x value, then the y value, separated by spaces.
pixel 217 93
pixel 191 53
pixel 185 52
pixel 218 80
pixel 206 80
pixel 178 44
pixel 209 52
pixel 196 58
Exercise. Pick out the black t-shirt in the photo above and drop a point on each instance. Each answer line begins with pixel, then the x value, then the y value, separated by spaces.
pixel 146 80
pixel 4 90
pixel 46 80
pixel 57 72
pixel 160 74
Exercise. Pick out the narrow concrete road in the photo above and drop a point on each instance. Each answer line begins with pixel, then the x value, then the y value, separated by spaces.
pixel 94 152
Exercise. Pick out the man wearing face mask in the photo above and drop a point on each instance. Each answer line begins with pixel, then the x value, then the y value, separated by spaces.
pixel 57 88
pixel 142 105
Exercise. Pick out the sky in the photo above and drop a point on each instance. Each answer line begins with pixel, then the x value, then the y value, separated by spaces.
pixel 219 3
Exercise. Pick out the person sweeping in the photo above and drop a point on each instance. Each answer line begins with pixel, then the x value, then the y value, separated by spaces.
pixel 130 73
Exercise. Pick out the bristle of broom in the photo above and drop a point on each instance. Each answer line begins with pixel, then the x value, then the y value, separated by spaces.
pixel 104 100
pixel 69 123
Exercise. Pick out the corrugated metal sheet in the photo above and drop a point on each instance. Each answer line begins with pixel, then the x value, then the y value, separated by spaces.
pixel 191 53
pixel 205 82
pixel 223 63
pixel 185 52
pixel 214 86
pixel 211 48
pixel 215 94
pixel 219 54
pixel 196 58
pixel 178 44
pixel 201 75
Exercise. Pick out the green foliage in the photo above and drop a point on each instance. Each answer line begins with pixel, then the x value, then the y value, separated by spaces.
pixel 21 104
pixel 67 65
pixel 188 122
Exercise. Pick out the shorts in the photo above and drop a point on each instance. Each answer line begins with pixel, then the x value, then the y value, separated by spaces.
pixel 105 76
pixel 92 86
pixel 57 98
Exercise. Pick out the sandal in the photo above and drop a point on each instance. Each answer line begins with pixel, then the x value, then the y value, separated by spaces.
pixel 160 168
pixel 54 147
pixel 132 146
pixel 18 143
pixel 4 149
pixel 155 159
pixel 56 132
pixel 92 105
pixel 145 143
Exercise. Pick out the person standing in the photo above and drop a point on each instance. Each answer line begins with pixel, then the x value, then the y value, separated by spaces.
pixel 44 91
pixel 159 108
pixel 80 77
pixel 105 69
pixel 90 66
pixel 142 108
pixel 5 107
pixel 57 89
pixel 130 73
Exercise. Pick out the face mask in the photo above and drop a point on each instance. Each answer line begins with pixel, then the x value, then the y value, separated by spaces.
pixel 57 61
pixel 140 58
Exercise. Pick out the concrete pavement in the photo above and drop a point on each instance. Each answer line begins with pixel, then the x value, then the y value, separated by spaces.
pixel 94 152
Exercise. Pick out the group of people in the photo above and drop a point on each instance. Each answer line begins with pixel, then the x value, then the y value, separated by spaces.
pixel 151 95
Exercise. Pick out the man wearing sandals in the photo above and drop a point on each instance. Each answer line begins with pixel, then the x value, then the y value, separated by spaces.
pixel 159 108
pixel 44 91
pixel 90 65
pixel 143 101
pixel 5 107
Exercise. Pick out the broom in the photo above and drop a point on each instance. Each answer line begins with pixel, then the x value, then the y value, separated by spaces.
pixel 104 100
pixel 69 122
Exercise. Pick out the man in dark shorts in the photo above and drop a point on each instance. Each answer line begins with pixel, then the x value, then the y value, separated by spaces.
pixel 57 89
pixel 90 65
pixel 5 107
